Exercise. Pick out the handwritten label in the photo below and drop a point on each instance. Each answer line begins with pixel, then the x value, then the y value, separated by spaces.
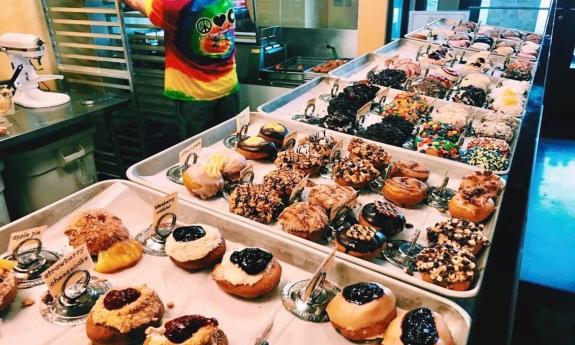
pixel 17 237
pixel 194 147
pixel 248 168
pixel 55 276
pixel 164 205
pixel 243 119
pixel 290 137
pixel 296 191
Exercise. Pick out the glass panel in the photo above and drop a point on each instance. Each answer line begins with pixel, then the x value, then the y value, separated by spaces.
pixel 396 19
pixel 528 15
pixel 325 14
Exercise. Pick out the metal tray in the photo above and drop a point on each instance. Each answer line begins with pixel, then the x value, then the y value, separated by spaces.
pixel 151 172
pixel 193 293
pixel 295 102
pixel 408 48
pixel 294 68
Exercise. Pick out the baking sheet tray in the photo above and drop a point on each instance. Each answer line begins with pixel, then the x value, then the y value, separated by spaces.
pixel 240 319
pixel 295 102
pixel 151 172
pixel 407 48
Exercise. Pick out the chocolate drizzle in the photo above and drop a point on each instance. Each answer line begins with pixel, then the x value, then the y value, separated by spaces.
pixel 262 145
pixel 359 238
pixel 189 233
pixel 183 328
pixel 362 293
pixel 116 299
pixel 384 216
pixel 418 328
pixel 251 260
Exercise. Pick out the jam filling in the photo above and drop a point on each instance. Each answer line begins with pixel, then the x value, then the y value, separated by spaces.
pixel 362 293
pixel 116 299
pixel 189 233
pixel 418 328
pixel 251 260
pixel 183 328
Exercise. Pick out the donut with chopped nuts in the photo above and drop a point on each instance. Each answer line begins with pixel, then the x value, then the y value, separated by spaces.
pixel 354 172
pixel 473 204
pixel 447 266
pixel 255 202
pixel 304 220
pixel 302 159
pixel 492 183
pixel 458 233
pixel 283 181
pixel 374 153
pixel 361 241
pixel 321 143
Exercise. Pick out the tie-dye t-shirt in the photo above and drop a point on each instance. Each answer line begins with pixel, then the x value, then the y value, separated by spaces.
pixel 200 47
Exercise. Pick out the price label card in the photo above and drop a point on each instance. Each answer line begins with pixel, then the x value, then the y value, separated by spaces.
pixel 247 169
pixel 17 237
pixel 243 119
pixel 55 276
pixel 194 147
pixel 289 139
pixel 296 191
pixel 167 204
pixel 310 102
pixel 336 151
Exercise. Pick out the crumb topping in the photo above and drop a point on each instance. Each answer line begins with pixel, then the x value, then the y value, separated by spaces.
pixel 458 233
pixel 372 152
pixel 255 202
pixel 446 264
pixel 355 170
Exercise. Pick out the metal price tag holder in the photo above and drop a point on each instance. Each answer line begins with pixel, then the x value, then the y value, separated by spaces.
pixel 308 114
pixel 153 239
pixel 334 90
pixel 402 253
pixel 80 292
pixel 307 299
pixel 231 142
pixel 175 173
pixel 439 197
pixel 31 262
pixel 335 156
pixel 230 186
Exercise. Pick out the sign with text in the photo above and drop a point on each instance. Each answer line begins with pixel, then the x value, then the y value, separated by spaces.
pixel 55 276
pixel 17 237
pixel 194 147
pixel 163 206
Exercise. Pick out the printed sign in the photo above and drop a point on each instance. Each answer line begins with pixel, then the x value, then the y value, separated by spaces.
pixel 55 276
pixel 17 237
pixel 194 147
pixel 243 119
pixel 163 206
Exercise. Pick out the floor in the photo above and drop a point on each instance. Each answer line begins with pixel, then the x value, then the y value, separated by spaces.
pixel 545 312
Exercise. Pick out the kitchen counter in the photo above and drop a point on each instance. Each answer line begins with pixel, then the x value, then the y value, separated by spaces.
pixel 32 124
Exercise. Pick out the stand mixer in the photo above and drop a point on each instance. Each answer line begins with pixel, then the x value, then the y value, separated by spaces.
pixel 22 48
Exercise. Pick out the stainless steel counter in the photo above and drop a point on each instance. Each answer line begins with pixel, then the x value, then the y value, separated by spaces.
pixel 31 124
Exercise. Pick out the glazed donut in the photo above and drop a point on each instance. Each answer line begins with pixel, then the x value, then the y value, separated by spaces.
pixel 488 180
pixel 361 241
pixel 407 168
pixel 203 181
pixel 418 326
pixel 404 191
pixel 248 273
pixel 256 148
pixel 362 311
pixel 473 204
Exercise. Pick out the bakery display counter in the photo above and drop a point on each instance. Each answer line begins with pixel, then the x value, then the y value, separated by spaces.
pixel 155 290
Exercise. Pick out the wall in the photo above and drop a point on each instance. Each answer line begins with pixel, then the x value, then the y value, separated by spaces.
pixel 372 25
pixel 25 16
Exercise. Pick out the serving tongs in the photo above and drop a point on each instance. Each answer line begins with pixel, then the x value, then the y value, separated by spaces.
pixel 307 299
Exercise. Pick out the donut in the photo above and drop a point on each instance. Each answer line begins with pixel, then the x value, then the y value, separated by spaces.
pixel 361 241
pixel 458 233
pixel 121 317
pixel 419 326
pixel 354 172
pixel 248 273
pixel 187 329
pixel 257 148
pixel 404 191
pixel 446 266
pixel 374 153
pixel 304 220
pixel 203 181
pixel 408 168
pixel 229 162
pixel 487 179
pixel 362 311
pixel 8 288
pixel 473 204
pixel 195 247
pixel 274 132
pixel 302 159
pixel 382 216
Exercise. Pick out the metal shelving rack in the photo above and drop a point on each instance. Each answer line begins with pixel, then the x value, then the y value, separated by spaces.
pixel 91 49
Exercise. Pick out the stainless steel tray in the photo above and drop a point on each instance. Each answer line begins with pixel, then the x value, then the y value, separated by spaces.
pixel 408 48
pixel 297 68
pixel 195 293
pixel 295 102
pixel 151 172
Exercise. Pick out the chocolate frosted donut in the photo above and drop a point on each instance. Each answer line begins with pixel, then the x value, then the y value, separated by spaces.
pixel 257 148
pixel 361 241
pixel 383 216
pixel 275 132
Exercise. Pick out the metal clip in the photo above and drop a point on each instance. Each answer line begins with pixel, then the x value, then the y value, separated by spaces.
pixel 154 242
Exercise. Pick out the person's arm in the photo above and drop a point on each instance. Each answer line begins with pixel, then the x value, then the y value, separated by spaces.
pixel 138 5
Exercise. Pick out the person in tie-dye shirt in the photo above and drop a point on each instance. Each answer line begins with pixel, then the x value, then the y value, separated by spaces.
pixel 200 58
